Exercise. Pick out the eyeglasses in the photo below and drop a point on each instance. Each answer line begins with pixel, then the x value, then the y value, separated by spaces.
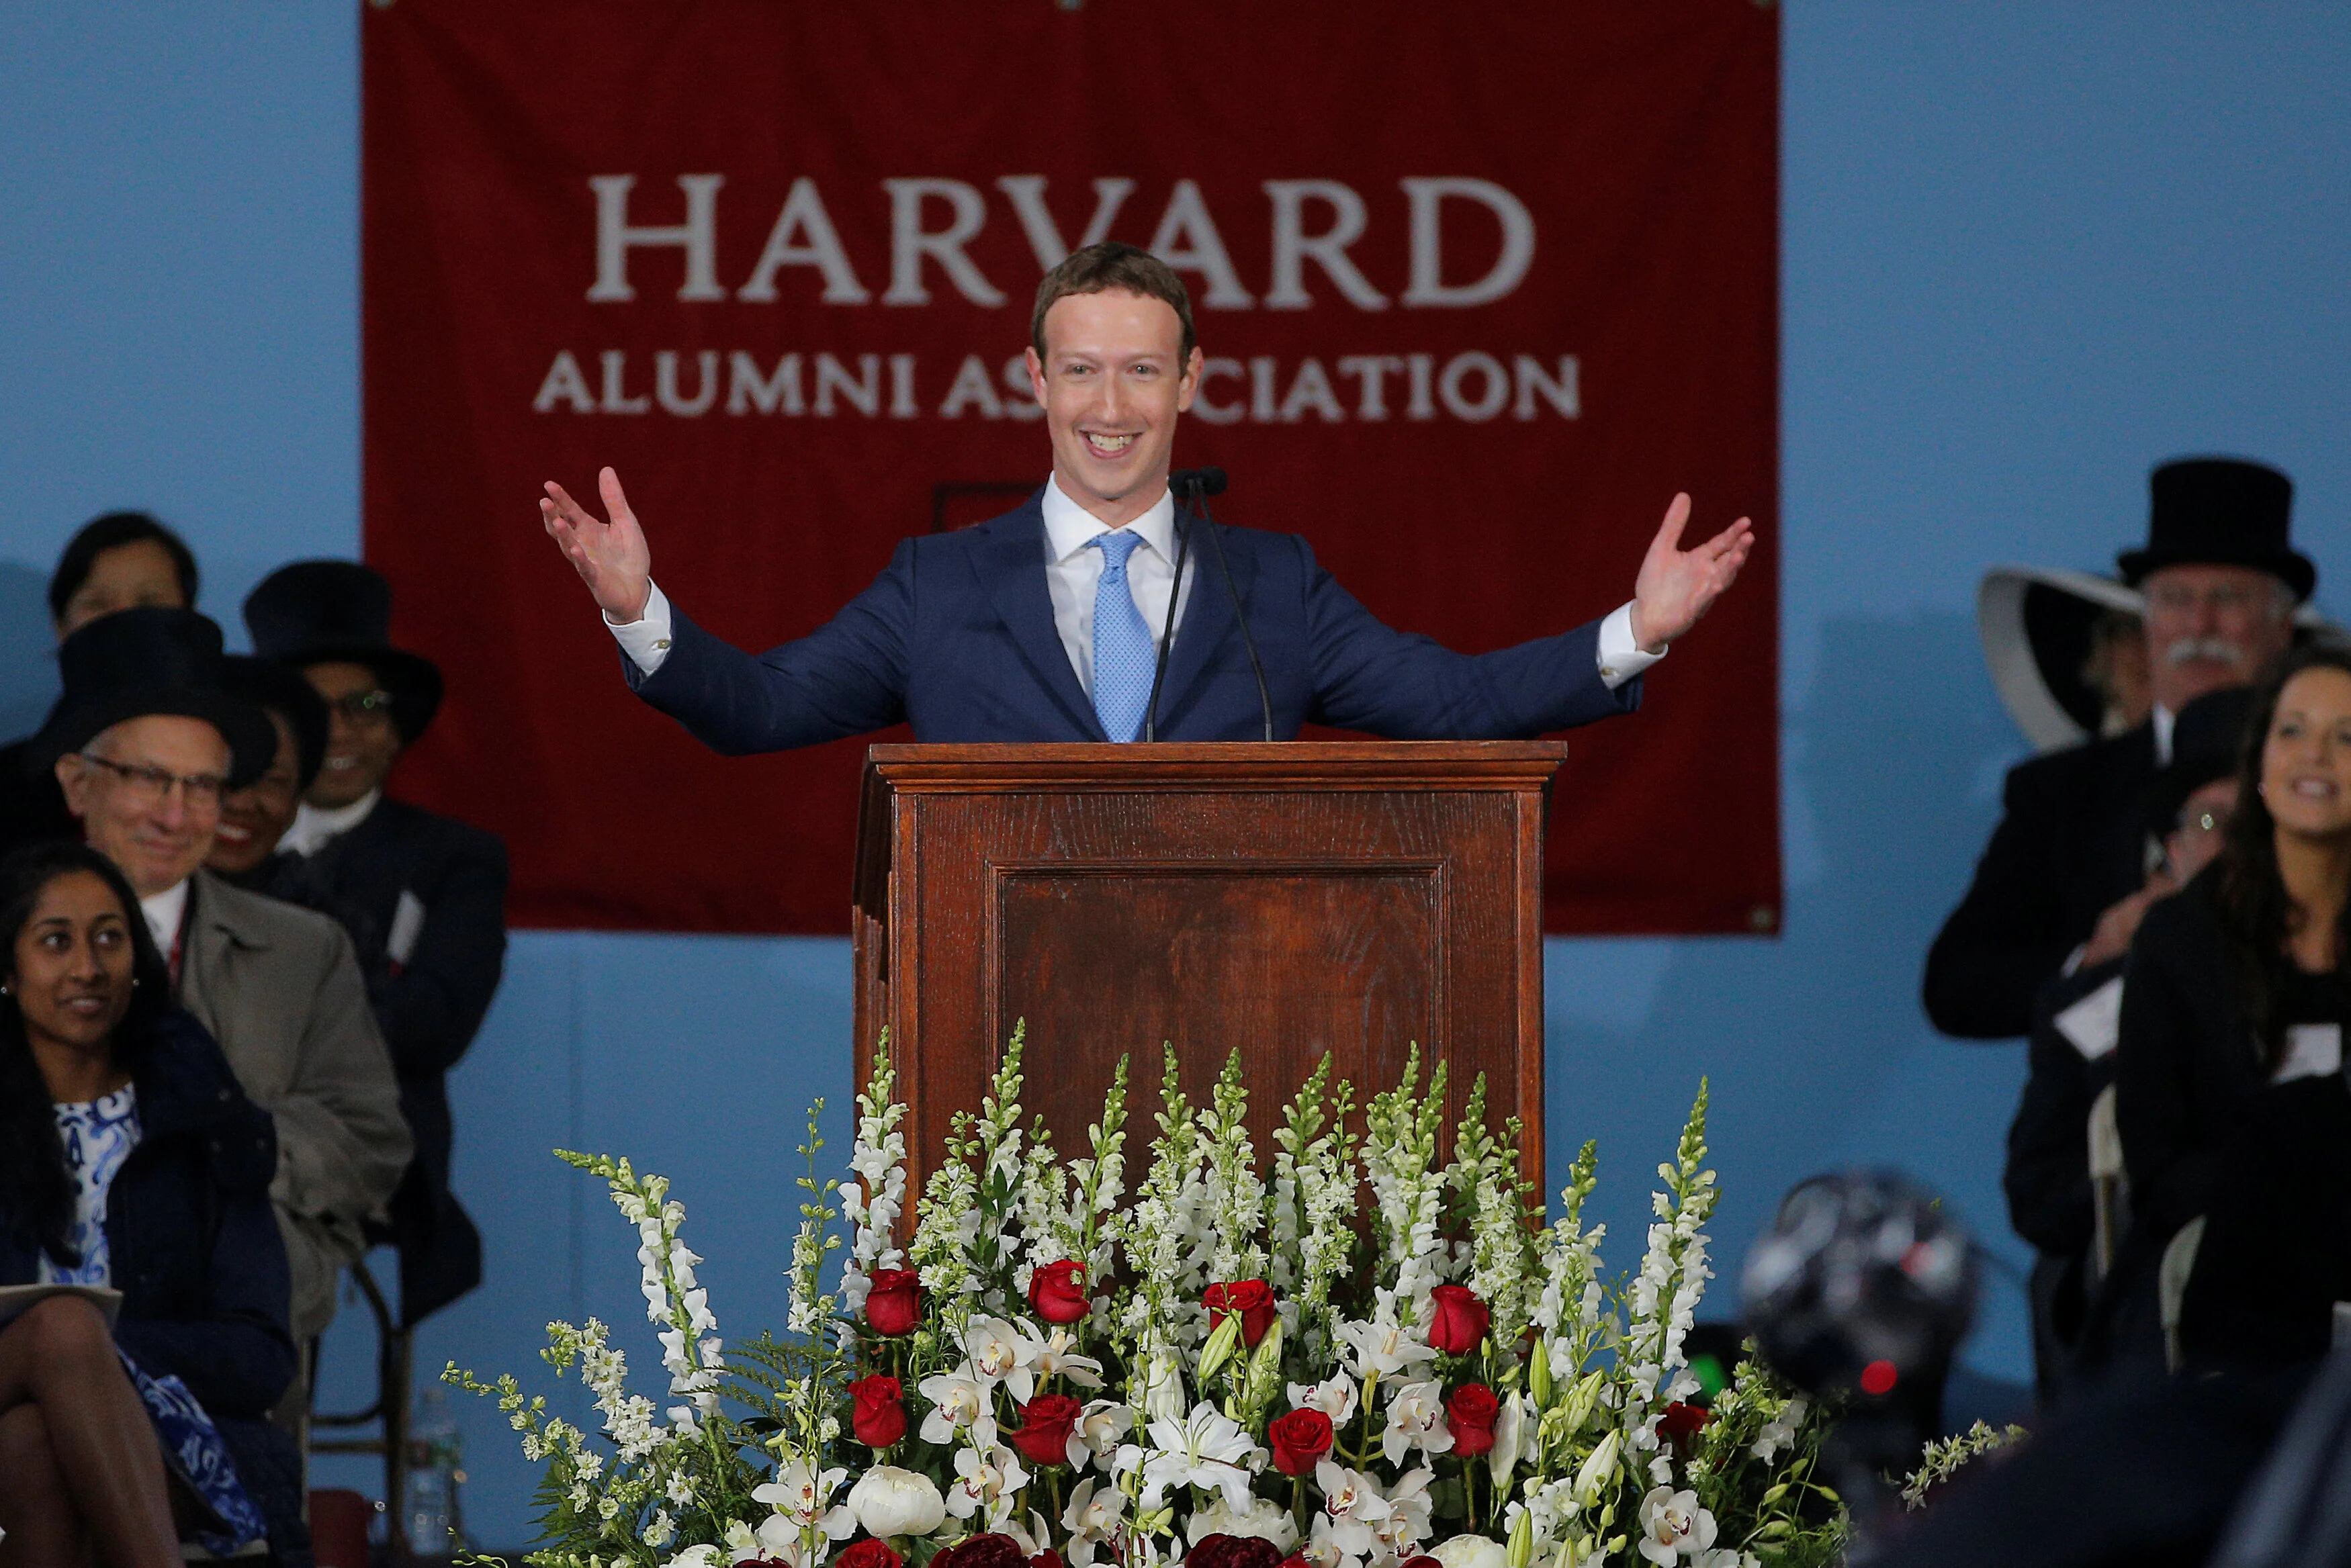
pixel 146 787
pixel 2179 598
pixel 363 707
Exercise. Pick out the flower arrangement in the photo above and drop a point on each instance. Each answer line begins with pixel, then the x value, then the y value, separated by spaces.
pixel 1244 1366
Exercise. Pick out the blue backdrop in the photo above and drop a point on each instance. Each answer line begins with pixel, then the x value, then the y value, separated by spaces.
pixel 2027 252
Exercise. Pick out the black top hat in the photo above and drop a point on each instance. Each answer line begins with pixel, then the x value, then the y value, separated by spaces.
pixel 333 612
pixel 2220 512
pixel 137 662
pixel 275 688
pixel 2206 739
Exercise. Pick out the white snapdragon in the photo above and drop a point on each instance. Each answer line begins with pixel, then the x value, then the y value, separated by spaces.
pixel 1778 1433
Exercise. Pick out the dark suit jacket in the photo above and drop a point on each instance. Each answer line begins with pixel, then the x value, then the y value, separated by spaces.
pixel 2071 842
pixel 957 637
pixel 2048 1176
pixel 429 1006
pixel 2276 1254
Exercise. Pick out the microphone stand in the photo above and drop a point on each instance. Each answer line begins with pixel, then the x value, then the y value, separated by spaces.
pixel 1199 486
pixel 1168 628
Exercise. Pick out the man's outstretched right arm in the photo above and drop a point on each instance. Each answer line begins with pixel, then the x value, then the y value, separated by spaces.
pixel 846 678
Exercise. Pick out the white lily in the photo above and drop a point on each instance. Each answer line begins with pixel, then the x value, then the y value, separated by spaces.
pixel 1206 1449
pixel 1512 1427
pixel 961 1408
pixel 1416 1420
pixel 1383 1348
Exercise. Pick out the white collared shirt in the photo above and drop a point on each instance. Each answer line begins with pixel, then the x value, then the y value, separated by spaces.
pixel 2164 719
pixel 164 911
pixel 315 827
pixel 1071 574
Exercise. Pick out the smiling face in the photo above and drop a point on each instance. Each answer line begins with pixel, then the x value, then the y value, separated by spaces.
pixel 2306 757
pixel 131 787
pixel 362 743
pixel 70 969
pixel 2209 627
pixel 1111 381
pixel 252 819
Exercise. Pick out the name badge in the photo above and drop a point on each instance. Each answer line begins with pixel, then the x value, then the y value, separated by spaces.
pixel 2312 1051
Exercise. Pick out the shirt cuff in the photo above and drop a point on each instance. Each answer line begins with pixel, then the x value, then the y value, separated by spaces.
pixel 646 638
pixel 1621 658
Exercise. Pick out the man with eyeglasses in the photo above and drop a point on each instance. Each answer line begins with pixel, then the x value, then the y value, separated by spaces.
pixel 2071 868
pixel 144 744
pixel 430 891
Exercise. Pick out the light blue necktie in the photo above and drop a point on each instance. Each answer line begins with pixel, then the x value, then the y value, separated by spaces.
pixel 1122 653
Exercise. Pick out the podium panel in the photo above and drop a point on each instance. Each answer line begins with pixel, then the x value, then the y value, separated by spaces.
pixel 1283 899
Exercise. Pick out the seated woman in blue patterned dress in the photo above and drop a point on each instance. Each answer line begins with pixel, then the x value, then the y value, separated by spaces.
pixel 129 1158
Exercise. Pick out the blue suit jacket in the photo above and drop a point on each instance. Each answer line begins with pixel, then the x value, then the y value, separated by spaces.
pixel 957 637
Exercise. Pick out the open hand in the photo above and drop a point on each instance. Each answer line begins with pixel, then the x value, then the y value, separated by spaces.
pixel 1676 585
pixel 610 557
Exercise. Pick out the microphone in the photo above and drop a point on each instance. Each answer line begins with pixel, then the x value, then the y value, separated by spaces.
pixel 1199 484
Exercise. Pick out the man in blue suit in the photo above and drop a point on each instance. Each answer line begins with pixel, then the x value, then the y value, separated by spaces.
pixel 1044 624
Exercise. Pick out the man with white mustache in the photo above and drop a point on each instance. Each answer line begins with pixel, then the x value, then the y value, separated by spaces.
pixel 2069 871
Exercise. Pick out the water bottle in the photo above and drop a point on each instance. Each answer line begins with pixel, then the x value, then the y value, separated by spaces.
pixel 429 1502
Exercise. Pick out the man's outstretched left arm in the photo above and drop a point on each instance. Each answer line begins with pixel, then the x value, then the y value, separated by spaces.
pixel 1370 677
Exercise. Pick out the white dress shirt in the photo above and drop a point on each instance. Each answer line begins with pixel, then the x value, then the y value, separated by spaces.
pixel 316 826
pixel 1071 573
pixel 164 911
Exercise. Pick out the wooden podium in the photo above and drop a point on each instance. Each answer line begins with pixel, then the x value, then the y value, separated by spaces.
pixel 1287 898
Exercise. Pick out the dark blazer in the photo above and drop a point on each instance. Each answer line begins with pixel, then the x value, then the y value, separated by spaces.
pixel 32 806
pixel 429 1004
pixel 2072 840
pixel 2047 1178
pixel 2276 1252
pixel 956 637
pixel 195 1250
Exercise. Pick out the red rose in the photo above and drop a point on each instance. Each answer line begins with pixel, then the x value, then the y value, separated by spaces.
pixel 869 1553
pixel 1456 1320
pixel 1233 1552
pixel 1253 1299
pixel 1049 1558
pixel 1682 1422
pixel 1423 1561
pixel 894 1305
pixel 1298 1439
pixel 1058 1292
pixel 989 1551
pixel 1470 1410
pixel 880 1418
pixel 1045 1423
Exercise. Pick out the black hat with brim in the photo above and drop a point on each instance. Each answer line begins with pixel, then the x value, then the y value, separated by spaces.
pixel 278 690
pixel 339 612
pixel 2037 624
pixel 2207 740
pixel 2220 512
pixel 153 661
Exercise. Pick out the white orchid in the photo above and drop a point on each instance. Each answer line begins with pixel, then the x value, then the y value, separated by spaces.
pixel 999 1352
pixel 1334 1397
pixel 801 1528
pixel 1352 1509
pixel 1099 1429
pixel 1383 1347
pixel 1095 1519
pixel 1674 1526
pixel 1265 1519
pixel 1409 1505
pixel 1207 1449
pixel 1416 1420
pixel 961 1408
pixel 986 1483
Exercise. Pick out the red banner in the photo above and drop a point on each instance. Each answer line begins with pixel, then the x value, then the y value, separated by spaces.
pixel 1480 287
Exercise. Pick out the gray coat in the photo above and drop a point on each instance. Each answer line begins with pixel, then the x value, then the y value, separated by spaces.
pixel 281 990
